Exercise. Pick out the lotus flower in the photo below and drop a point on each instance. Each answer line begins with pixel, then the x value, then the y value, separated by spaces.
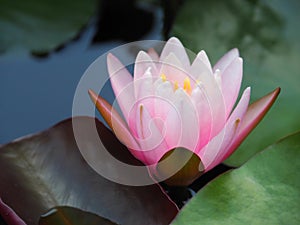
pixel 171 103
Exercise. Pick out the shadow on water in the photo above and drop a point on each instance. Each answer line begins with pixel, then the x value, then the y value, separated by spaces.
pixel 180 195
pixel 122 20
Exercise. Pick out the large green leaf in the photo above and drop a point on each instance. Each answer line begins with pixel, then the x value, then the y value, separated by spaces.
pixel 47 170
pixel 265 190
pixel 267 34
pixel 40 26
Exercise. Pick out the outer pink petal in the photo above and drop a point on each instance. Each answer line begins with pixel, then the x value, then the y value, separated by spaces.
pixel 203 57
pixel 174 46
pixel 212 154
pixel 144 73
pixel 9 216
pixel 150 138
pixel 200 66
pixel 256 111
pixel 142 63
pixel 121 81
pixel 209 154
pixel 144 91
pixel 114 121
pixel 144 87
pixel 231 83
pixel 226 60
pixel 205 116
pixel 213 94
pixel 173 127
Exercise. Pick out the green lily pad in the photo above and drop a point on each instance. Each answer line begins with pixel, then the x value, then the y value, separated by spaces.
pixel 41 26
pixel 267 35
pixel 265 190
pixel 46 170
pixel 71 216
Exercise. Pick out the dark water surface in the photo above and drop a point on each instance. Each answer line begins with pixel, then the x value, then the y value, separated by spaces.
pixel 36 93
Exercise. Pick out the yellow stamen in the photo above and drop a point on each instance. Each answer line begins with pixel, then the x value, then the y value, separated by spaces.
pixel 163 77
pixel 175 85
pixel 187 85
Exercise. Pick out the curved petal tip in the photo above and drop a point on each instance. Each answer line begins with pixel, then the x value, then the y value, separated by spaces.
pixel 114 121
pixel 255 113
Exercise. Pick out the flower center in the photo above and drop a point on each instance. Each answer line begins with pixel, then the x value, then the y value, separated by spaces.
pixel 186 84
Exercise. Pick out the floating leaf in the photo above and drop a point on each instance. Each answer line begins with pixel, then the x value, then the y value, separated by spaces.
pixel 265 190
pixel 72 216
pixel 47 170
pixel 41 26
pixel 267 35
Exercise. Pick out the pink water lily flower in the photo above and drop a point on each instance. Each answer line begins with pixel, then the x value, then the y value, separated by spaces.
pixel 171 103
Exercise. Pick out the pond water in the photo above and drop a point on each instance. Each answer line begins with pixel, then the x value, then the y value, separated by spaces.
pixel 36 93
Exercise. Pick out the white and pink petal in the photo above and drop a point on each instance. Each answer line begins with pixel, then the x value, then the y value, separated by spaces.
pixel 114 121
pixel 144 63
pixel 231 79
pixel 255 113
pixel 174 46
pixel 212 154
pixel 122 84
pixel 226 60
pixel 147 134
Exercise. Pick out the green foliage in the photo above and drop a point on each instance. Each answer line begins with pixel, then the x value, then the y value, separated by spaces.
pixel 267 35
pixel 265 190
pixel 40 26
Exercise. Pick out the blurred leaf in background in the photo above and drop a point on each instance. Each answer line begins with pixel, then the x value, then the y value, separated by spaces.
pixel 267 34
pixel 41 26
